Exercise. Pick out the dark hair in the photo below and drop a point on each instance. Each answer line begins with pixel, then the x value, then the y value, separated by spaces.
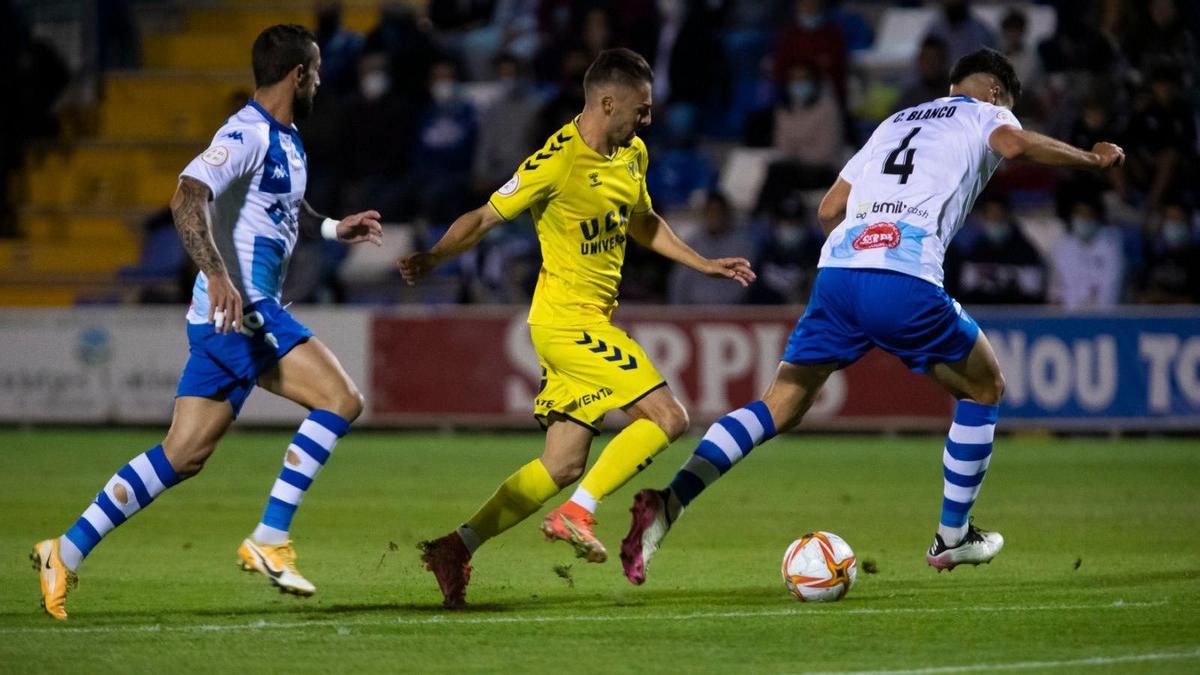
pixel 620 66
pixel 279 49
pixel 991 62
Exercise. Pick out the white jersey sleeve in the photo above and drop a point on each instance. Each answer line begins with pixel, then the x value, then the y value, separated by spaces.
pixel 993 117
pixel 237 151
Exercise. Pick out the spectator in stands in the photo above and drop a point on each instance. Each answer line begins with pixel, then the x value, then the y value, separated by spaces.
pixel 786 259
pixel 999 266
pixel 569 100
pixel 1095 124
pixel 409 47
pixel 1087 266
pixel 687 57
pixel 1172 271
pixel 808 128
pixel 719 234
pixel 446 137
pixel 932 76
pixel 1163 38
pixel 1014 42
pixel 340 49
pixel 681 170
pixel 508 128
pixel 812 38
pixel 961 32
pixel 1162 139
pixel 374 141
pixel 484 30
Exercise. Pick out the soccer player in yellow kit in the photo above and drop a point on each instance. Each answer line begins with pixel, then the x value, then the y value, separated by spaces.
pixel 586 188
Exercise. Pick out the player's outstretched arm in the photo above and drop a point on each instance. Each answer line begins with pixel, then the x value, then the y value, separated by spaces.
pixel 650 230
pixel 1014 143
pixel 189 207
pixel 464 233
pixel 353 229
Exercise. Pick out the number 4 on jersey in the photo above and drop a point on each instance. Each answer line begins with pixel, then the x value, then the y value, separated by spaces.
pixel 903 169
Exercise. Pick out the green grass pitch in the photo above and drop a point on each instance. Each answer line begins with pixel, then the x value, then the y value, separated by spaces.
pixel 1100 573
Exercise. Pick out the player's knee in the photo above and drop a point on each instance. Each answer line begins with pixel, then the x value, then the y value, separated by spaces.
pixel 188 460
pixel 348 403
pixel 565 471
pixel 353 402
pixel 674 421
pixel 991 391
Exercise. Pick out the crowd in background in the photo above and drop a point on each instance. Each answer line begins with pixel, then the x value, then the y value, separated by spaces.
pixel 425 115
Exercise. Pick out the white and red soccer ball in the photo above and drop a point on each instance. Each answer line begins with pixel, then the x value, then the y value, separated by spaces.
pixel 819 567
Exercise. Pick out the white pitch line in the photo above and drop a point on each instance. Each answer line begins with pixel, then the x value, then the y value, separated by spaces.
pixel 1032 665
pixel 451 620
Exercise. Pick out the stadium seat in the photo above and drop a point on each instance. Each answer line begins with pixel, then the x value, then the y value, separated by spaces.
pixel 744 171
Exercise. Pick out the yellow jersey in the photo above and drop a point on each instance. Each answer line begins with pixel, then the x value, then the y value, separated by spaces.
pixel 581 202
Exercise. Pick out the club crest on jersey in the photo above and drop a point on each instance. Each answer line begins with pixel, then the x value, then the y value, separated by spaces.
pixel 632 170
pixel 509 187
pixel 878 235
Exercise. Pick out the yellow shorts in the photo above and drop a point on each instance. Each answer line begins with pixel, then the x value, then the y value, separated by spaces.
pixel 587 372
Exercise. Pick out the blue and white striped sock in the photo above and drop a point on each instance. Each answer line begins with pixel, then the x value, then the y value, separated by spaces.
pixel 965 461
pixel 130 490
pixel 308 452
pixel 724 444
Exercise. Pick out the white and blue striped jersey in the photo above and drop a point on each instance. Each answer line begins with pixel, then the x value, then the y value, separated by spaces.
pixel 913 184
pixel 257 171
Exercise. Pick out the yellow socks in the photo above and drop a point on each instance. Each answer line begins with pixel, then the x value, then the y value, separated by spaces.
pixel 627 454
pixel 520 495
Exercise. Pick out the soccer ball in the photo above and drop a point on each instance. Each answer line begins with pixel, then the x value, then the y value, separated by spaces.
pixel 819 567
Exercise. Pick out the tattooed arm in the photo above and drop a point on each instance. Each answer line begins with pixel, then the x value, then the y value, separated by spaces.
pixel 189 206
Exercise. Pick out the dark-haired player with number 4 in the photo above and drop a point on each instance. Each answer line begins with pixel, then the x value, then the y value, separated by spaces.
pixel 239 210
pixel 888 219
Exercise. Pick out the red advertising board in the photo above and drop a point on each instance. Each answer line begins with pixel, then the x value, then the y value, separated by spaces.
pixel 476 367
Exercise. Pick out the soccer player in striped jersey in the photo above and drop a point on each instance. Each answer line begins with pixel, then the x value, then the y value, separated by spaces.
pixel 880 285
pixel 239 209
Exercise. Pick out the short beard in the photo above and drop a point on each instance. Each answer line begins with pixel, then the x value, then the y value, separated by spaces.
pixel 302 106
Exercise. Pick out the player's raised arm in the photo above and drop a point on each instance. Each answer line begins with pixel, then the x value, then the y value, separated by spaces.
pixel 1014 143
pixel 650 230
pixel 464 232
pixel 353 229
pixel 189 207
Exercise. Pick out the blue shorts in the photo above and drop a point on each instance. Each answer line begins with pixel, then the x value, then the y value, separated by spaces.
pixel 852 310
pixel 227 366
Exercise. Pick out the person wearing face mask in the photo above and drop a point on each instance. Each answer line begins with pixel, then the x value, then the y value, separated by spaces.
pixel 507 127
pixel 1088 266
pixel 806 129
pixel 445 137
pixel 376 116
pixel 999 266
pixel 1172 271
pixel 719 234
pixel 813 38
pixel 787 257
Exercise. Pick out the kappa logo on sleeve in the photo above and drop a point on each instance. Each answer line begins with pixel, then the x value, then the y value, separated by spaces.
pixel 216 155
pixel 509 187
